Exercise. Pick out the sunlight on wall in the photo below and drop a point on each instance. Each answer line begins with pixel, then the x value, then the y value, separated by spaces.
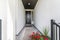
pixel 9 25
pixel 3 17
pixel 17 18
pixel 44 11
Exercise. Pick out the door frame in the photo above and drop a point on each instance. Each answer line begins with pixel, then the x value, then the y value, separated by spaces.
pixel 31 14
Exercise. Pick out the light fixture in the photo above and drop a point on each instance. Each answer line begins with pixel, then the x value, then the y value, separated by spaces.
pixel 29 4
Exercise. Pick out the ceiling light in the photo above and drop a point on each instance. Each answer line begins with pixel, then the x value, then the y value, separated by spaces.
pixel 28 3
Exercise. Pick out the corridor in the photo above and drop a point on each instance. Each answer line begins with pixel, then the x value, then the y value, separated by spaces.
pixel 39 13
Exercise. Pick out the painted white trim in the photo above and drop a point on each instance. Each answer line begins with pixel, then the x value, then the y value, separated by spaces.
pixel 29 9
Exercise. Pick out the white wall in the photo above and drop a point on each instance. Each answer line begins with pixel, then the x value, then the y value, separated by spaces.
pixel 20 17
pixel 3 17
pixel 16 17
pixel 44 11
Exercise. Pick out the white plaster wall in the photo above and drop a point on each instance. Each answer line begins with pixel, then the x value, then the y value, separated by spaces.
pixel 12 10
pixel 20 17
pixel 44 11
pixel 3 17
pixel 16 14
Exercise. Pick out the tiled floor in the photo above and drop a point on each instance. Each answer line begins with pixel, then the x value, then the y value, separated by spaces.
pixel 24 35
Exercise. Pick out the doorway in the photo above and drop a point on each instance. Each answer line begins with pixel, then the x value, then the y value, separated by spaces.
pixel 28 17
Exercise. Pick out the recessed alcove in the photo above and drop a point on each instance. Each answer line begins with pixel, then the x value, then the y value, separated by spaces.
pixel 43 11
pixel 29 27
pixel 12 14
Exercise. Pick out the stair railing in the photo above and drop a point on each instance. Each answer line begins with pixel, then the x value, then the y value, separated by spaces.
pixel 55 30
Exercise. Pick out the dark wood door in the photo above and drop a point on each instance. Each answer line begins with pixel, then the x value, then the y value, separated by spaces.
pixel 28 17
